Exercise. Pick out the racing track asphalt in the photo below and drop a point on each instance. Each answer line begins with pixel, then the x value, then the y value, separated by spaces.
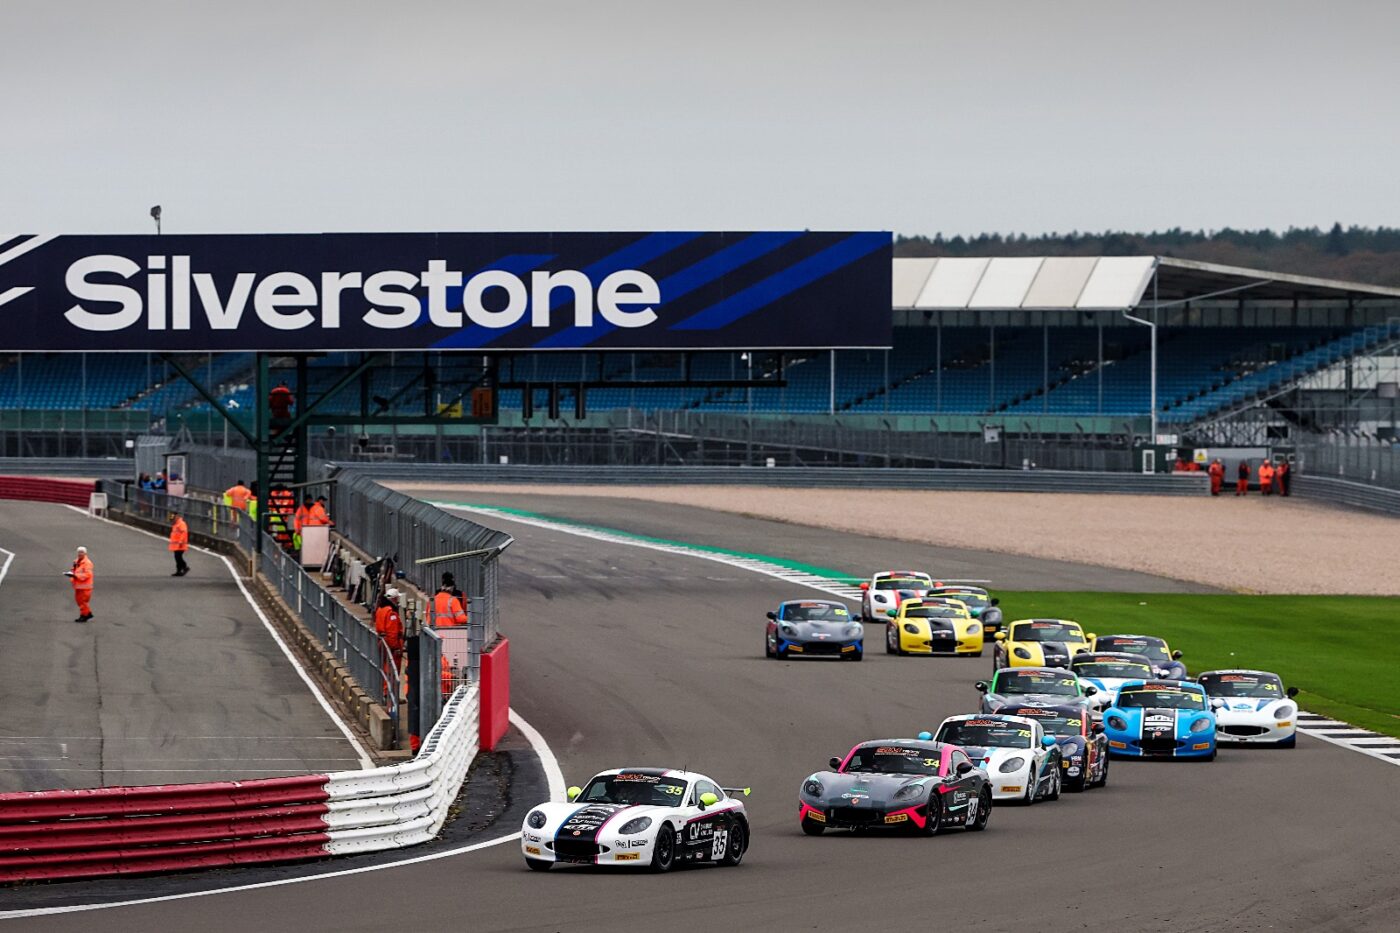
pixel 629 656
pixel 174 680
pixel 836 550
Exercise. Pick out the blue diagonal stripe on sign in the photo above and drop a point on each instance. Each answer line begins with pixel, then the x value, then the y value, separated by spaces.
pixel 515 264
pixel 687 280
pixel 634 254
pixel 764 293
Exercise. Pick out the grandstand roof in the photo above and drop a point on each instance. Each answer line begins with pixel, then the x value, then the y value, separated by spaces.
pixel 1099 283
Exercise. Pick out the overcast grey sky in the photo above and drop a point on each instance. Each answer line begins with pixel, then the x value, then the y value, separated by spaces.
pixel 916 117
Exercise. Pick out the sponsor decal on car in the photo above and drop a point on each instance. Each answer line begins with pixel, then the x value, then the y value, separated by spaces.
pixel 532 850
pixel 1201 746
pixel 1113 744
pixel 628 856
pixel 1012 788
pixel 897 818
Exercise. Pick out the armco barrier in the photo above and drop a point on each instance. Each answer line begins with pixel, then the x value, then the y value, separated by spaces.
pixel 1337 491
pixel 66 491
pixel 495 694
pixel 1168 484
pixel 64 834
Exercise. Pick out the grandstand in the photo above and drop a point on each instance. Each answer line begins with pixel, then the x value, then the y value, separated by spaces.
pixel 1009 339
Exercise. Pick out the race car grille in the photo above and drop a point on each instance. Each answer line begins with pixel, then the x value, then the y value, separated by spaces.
pixel 854 816
pixel 821 647
pixel 1160 746
pixel 1243 730
pixel 575 848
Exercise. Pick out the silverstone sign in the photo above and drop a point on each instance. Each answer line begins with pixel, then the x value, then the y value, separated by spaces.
pixel 446 291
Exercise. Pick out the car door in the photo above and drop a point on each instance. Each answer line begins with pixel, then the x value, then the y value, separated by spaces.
pixel 965 788
pixel 706 830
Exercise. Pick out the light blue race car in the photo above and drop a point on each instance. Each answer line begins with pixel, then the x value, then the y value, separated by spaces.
pixel 1160 719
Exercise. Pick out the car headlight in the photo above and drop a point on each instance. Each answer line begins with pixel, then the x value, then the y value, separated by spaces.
pixel 879 598
pixel 1012 764
pixel 812 787
pixel 908 791
pixel 635 826
pixel 535 820
pixel 911 629
pixel 787 630
pixel 854 629
pixel 1285 711
pixel 1201 725
pixel 1022 653
pixel 974 628
pixel 1118 722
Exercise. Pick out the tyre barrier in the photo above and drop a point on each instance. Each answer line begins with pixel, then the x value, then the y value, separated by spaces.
pixel 67 834
pixel 33 489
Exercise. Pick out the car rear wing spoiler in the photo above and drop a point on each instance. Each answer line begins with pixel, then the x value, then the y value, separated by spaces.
pixel 737 791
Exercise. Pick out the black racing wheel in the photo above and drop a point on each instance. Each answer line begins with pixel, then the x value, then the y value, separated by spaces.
pixel 737 845
pixel 663 854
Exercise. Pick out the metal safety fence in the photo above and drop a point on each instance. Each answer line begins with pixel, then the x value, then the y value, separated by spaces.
pixel 1369 461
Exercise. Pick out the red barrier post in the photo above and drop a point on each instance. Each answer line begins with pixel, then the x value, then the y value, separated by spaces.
pixel 34 489
pixel 495 694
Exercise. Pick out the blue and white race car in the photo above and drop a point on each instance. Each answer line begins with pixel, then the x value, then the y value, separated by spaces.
pixel 1256 709
pixel 1161 719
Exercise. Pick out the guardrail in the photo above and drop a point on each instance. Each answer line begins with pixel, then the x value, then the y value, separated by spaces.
pixel 1345 492
pixel 66 834
pixel 1174 484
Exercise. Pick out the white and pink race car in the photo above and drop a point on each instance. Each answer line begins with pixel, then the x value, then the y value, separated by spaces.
pixel 886 590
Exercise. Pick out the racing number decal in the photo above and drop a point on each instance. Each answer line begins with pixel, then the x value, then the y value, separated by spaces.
pixel 972 809
pixel 720 843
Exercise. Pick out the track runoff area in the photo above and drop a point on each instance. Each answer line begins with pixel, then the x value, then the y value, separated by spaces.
pixel 635 652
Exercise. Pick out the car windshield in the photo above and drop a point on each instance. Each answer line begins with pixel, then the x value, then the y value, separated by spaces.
pixel 893 759
pixel 815 612
pixel 1162 696
pixel 985 733
pixel 1130 670
pixel 1011 680
pixel 902 583
pixel 1057 724
pixel 973 600
pixel 633 788
pixel 936 611
pixel 1243 685
pixel 1046 631
pixel 1153 649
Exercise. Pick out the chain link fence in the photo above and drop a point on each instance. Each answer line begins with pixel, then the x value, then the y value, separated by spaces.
pixel 1361 460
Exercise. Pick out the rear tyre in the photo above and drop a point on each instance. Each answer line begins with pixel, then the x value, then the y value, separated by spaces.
pixel 891 640
pixel 767 647
pixel 1103 778
pixel 536 864
pixel 984 811
pixel 812 827
pixel 663 854
pixel 1054 792
pixel 736 847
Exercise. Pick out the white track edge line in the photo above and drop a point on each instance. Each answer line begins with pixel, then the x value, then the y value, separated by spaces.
pixel 6 567
pixel 360 751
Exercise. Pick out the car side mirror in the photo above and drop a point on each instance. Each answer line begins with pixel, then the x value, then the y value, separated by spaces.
pixel 981 686
pixel 995 601
pixel 1176 655
pixel 1096 728
pixel 1217 703
pixel 892 613
pixel 1091 691
pixel 773 615
pixel 964 767
pixel 1047 741
pixel 708 800
pixel 1291 692
pixel 999 636
pixel 573 792
pixel 1089 637
pixel 834 762
pixel 865 586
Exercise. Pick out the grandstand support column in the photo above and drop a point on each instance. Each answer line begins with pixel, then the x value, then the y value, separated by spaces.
pixel 1152 324
pixel 1045 366
pixel 263 416
pixel 831 385
pixel 992 363
pixel 1100 366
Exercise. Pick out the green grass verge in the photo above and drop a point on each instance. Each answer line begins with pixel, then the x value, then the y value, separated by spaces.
pixel 1341 652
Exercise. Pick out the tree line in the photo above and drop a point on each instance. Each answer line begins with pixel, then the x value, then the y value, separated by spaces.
pixel 1356 254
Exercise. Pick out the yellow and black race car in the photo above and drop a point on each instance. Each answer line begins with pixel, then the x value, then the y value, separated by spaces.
pixel 1039 643
pixel 939 627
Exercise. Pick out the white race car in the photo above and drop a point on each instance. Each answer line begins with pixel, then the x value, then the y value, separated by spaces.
pixel 639 816
pixel 1022 762
pixel 1255 710
pixel 885 590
